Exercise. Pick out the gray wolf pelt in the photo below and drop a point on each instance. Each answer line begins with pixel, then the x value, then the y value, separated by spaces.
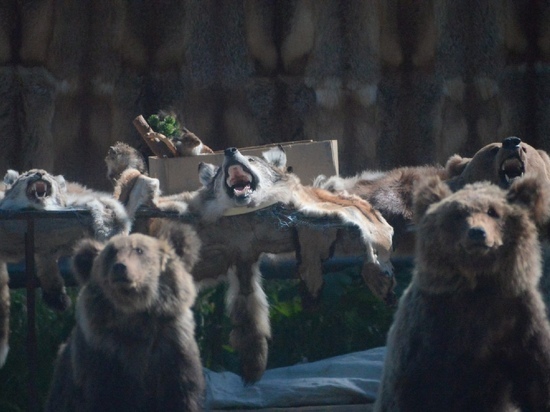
pixel 37 189
pixel 250 206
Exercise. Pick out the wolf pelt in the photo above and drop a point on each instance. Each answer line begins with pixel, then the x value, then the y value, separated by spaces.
pixel 471 330
pixel 245 183
pixel 133 346
pixel 391 193
pixel 36 189
pixel 250 206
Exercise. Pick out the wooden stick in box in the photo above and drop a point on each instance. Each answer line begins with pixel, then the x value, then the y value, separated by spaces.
pixel 157 142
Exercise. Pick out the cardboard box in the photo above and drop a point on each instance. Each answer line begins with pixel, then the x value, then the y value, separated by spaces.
pixel 308 159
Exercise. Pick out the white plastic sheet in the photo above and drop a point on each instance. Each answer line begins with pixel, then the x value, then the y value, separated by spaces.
pixel 341 380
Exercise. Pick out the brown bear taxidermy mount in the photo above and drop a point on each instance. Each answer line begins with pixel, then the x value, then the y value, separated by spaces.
pixel 471 331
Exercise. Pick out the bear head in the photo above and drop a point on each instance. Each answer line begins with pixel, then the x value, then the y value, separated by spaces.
pixel 479 235
pixel 499 163
pixel 134 273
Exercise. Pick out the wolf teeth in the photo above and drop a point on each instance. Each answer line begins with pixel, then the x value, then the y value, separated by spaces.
pixel 245 191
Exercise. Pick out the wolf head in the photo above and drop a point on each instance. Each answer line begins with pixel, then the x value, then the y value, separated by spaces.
pixel 244 181
pixel 34 189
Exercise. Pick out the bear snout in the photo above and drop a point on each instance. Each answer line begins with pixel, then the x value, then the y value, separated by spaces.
pixel 119 273
pixel 477 240
pixel 477 234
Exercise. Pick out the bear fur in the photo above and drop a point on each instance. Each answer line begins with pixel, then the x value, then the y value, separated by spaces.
pixel 249 206
pixel 133 346
pixel 471 330
pixel 391 193
pixel 499 163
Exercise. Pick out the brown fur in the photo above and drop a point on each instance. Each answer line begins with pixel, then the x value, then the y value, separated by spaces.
pixel 487 163
pixel 310 222
pixel 133 346
pixel 53 238
pixel 471 331
pixel 120 157
pixel 389 192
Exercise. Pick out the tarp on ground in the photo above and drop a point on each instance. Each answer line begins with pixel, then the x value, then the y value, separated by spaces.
pixel 341 380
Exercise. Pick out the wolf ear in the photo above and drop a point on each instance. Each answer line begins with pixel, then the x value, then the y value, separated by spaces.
pixel 532 194
pixel 84 255
pixel 456 165
pixel 61 180
pixel 10 177
pixel 276 156
pixel 207 172
pixel 427 192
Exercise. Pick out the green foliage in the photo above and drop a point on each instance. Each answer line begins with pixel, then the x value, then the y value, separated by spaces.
pixel 167 125
pixel 346 318
pixel 52 328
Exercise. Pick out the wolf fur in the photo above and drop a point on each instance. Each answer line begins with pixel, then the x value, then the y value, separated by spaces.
pixel 36 189
pixel 249 206
pixel 390 192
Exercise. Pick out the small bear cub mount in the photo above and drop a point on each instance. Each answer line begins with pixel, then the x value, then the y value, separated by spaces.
pixel 133 347
pixel 471 332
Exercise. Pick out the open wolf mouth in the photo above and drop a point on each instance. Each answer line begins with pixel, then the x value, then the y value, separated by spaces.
pixel 240 182
pixel 511 168
pixel 39 190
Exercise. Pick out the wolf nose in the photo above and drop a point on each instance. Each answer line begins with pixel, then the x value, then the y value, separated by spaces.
pixel 119 273
pixel 230 151
pixel 477 234
pixel 511 142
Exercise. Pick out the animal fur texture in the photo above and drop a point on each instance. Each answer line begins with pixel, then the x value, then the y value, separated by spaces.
pixel 471 330
pixel 478 42
pixel 133 346
pixel 502 164
pixel 391 193
pixel 120 157
pixel 397 83
pixel 36 189
pixel 499 163
pixel 250 206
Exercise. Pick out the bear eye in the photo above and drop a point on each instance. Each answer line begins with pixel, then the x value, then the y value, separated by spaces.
pixel 493 213
pixel 138 250
pixel 251 159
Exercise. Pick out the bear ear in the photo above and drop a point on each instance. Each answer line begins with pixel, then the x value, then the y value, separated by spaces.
pixel 207 172
pixel 84 255
pixel 532 194
pixel 276 156
pixel 427 192
pixel 456 165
